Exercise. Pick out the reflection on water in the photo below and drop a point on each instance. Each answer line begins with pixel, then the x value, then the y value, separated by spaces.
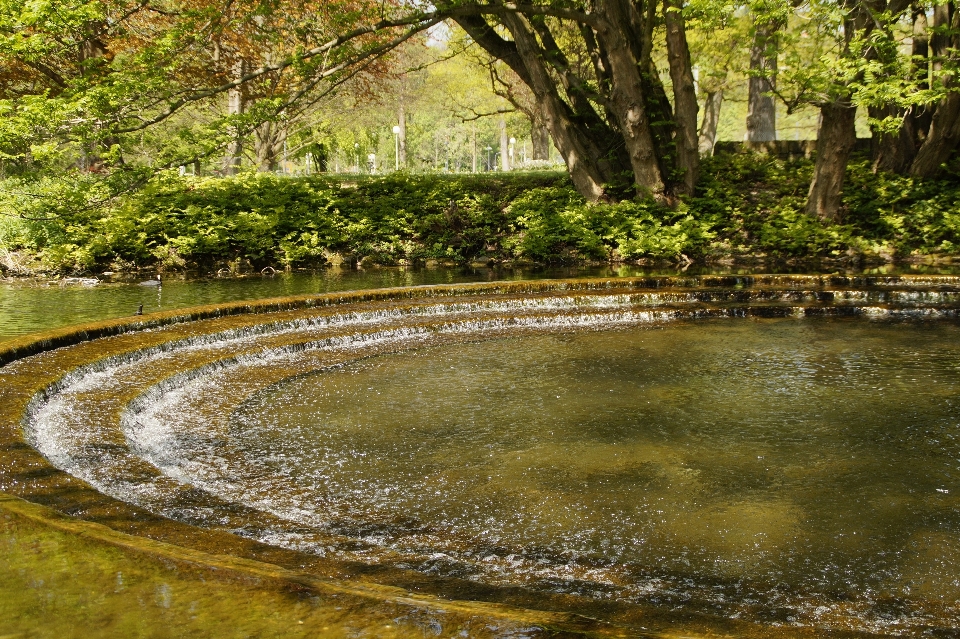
pixel 28 306
pixel 31 306
pixel 790 471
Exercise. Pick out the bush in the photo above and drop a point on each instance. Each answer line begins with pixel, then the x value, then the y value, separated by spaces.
pixel 745 206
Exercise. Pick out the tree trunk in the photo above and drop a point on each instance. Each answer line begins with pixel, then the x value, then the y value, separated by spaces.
pixel 628 100
pixel 892 152
pixel 93 53
pixel 920 117
pixel 711 118
pixel 684 95
pixel 761 109
pixel 504 145
pixel 581 155
pixel 944 133
pixel 612 158
pixel 623 124
pixel 267 144
pixel 236 105
pixel 942 139
pixel 402 135
pixel 835 141
pixel 540 138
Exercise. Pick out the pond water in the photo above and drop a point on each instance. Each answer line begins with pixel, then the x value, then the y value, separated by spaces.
pixel 789 471
pixel 28 306
pixel 782 451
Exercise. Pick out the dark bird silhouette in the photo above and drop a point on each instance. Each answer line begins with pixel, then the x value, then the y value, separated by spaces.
pixel 139 310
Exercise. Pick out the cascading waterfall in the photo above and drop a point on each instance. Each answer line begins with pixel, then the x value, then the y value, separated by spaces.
pixel 632 449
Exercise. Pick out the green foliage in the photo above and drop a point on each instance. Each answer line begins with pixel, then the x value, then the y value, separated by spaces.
pixel 557 225
pixel 756 206
pixel 746 207
pixel 914 215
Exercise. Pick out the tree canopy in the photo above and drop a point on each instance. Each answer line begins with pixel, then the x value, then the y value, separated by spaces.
pixel 98 96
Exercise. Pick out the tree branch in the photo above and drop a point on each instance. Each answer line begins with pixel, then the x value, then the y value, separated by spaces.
pixel 477 116
pixel 280 66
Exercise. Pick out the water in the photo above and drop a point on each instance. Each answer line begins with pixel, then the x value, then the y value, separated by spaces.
pixel 594 447
pixel 30 306
pixel 796 472
pixel 33 305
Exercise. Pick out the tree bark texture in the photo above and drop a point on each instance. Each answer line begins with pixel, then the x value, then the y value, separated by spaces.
pixel 577 147
pixel 942 138
pixel 684 95
pixel 268 143
pixel 761 108
pixel 711 118
pixel 92 55
pixel 835 140
pixel 920 117
pixel 627 98
pixel 895 151
pixel 540 138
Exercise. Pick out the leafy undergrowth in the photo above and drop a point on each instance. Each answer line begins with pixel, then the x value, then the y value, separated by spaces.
pixel 746 207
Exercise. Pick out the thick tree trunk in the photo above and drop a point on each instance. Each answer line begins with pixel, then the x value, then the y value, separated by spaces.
pixel 942 139
pixel 920 117
pixel 628 99
pixel 268 141
pixel 540 138
pixel 620 123
pixel 892 152
pixel 761 109
pixel 711 118
pixel 613 158
pixel 576 147
pixel 835 141
pixel 943 135
pixel 684 95
pixel 93 53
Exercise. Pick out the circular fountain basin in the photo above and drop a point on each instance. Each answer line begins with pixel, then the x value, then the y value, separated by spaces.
pixel 762 456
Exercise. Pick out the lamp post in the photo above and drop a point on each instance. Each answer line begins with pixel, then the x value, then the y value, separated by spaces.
pixel 513 141
pixel 396 147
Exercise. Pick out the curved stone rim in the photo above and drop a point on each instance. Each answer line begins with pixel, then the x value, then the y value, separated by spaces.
pixel 32 344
